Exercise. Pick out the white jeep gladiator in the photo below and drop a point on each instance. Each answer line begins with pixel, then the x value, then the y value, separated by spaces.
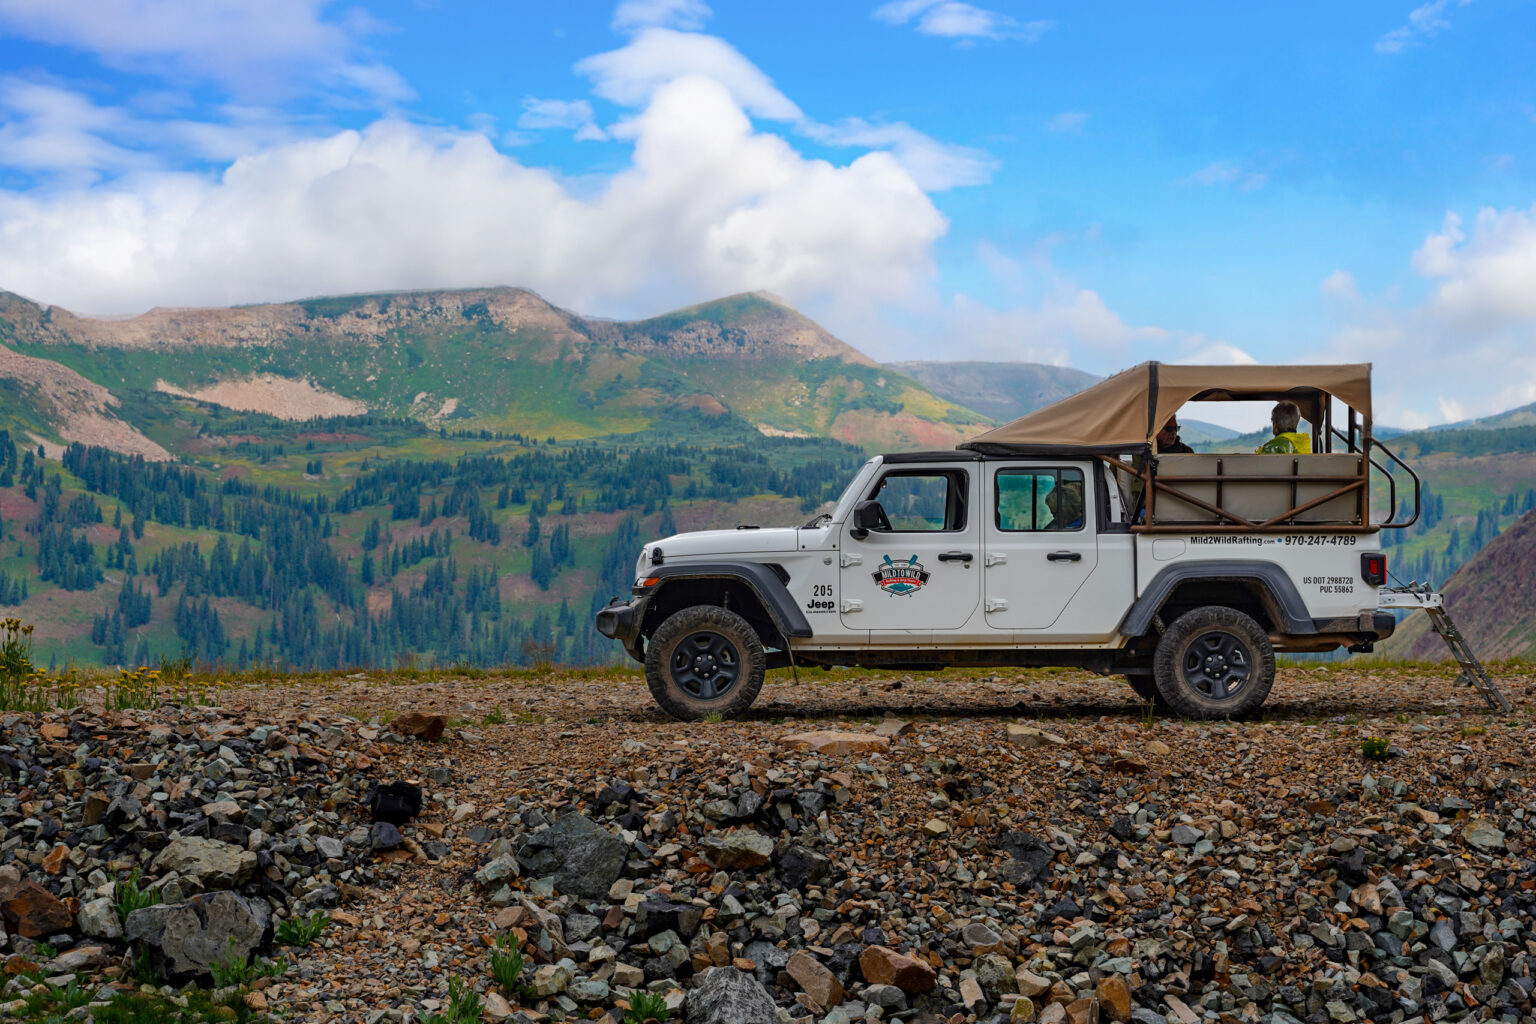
pixel 1061 539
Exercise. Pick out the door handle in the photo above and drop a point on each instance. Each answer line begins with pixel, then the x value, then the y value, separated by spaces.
pixel 1061 556
pixel 956 556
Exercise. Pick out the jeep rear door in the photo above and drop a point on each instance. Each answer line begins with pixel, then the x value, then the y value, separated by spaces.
pixel 1049 575
pixel 921 574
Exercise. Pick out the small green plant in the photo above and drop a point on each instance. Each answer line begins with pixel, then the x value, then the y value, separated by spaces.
pixel 463 1005
pixel 1375 748
pixel 507 967
pixel 495 716
pixel 271 968
pixel 302 931
pixel 232 969
pixel 57 1001
pixel 142 963
pixel 127 896
pixel 645 1007
pixel 713 718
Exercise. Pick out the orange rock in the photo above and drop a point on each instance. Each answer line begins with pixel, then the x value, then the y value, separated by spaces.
pixel 884 966
pixel 54 862
pixel 828 742
pixel 416 723
pixel 35 912
pixel 53 731
pixel 1114 998
pixel 815 980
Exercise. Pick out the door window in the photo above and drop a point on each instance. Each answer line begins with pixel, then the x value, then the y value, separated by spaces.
pixel 1037 500
pixel 923 502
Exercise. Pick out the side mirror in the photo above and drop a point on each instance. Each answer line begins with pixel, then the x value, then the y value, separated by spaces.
pixel 867 515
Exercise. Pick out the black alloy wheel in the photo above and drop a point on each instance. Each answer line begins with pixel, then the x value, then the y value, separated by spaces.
pixel 706 665
pixel 1214 662
pixel 704 660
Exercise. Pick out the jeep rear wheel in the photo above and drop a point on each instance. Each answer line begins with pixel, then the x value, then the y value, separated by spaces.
pixel 704 660
pixel 1214 662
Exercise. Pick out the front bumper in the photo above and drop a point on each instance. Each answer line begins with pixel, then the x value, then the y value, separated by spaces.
pixel 621 620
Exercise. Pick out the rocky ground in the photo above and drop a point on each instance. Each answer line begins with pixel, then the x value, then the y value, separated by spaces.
pixel 978 847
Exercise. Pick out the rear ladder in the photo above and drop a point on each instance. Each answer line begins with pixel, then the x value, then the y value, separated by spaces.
pixel 1472 672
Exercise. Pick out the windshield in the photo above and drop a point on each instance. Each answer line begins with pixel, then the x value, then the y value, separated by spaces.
pixel 851 492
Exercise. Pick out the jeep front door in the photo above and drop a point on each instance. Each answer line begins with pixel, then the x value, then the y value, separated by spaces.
pixel 918 570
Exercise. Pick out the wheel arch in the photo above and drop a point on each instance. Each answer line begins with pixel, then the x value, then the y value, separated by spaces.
pixel 754 590
pixel 1262 590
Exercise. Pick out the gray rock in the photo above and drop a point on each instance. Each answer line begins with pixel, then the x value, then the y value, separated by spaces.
pixel 186 939
pixel 581 927
pixel 742 848
pixel 1187 835
pixel 98 919
pixel 727 996
pixel 385 836
pixel 1483 835
pixel 209 863
pixel 497 870
pixel 800 867
pixel 588 990
pixel 582 857
pixel 330 849
pixel 887 997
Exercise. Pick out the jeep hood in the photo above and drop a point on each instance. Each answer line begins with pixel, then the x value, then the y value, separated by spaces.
pixel 725 543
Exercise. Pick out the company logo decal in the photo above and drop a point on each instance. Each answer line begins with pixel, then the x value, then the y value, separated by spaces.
pixel 901 578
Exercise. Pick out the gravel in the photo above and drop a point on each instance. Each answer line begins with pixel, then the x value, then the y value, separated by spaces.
pixel 1124 869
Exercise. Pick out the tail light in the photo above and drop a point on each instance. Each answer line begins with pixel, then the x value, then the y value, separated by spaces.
pixel 1373 568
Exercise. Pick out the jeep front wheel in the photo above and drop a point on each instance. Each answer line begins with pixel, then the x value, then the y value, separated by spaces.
pixel 1214 662
pixel 704 660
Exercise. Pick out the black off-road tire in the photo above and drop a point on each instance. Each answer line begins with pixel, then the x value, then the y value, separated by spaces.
pixel 1214 662
pixel 704 660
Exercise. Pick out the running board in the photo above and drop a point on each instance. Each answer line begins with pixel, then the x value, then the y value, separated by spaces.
pixel 1472 672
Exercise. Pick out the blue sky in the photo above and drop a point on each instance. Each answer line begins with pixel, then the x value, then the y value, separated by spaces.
pixel 1087 185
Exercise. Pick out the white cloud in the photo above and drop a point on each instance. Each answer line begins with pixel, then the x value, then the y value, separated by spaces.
pixel 1469 349
pixel 637 14
pixel 1488 281
pixel 47 128
pixel 1069 326
pixel 1067 122
pixel 631 75
pixel 935 165
pixel 952 19
pixel 574 115
pixel 264 47
pixel 1340 285
pixel 1423 22
pixel 66 135
pixel 1226 172
pixel 1204 352
pixel 707 206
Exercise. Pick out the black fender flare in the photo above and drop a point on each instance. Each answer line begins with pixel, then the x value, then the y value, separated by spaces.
pixel 1290 610
pixel 763 581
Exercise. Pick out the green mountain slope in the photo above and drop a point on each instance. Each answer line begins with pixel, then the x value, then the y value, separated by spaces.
pixel 1003 391
pixel 499 359
pixel 1492 598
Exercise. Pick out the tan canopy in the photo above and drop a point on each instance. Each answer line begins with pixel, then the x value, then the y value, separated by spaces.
pixel 1125 411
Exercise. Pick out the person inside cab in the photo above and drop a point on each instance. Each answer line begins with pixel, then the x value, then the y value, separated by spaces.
pixel 1065 503
pixel 1283 420
pixel 1168 442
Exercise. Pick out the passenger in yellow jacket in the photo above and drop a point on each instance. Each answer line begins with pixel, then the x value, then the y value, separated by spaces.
pixel 1283 420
